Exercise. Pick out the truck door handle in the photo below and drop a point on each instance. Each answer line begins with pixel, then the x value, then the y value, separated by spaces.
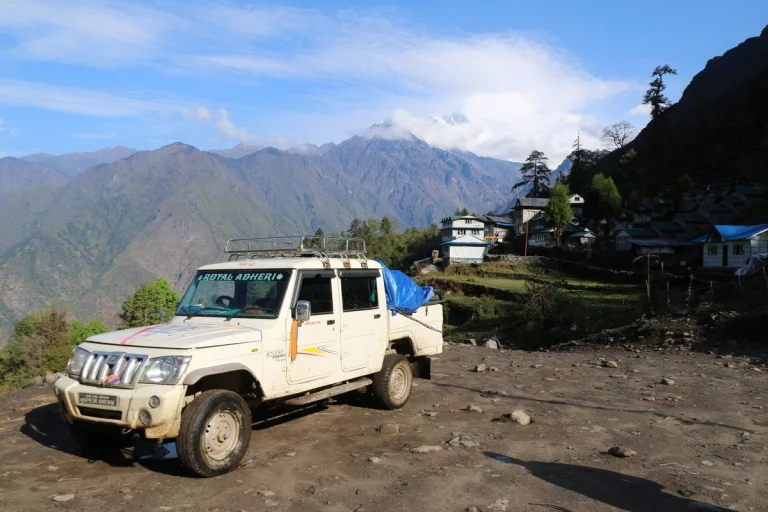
pixel 377 315
pixel 330 322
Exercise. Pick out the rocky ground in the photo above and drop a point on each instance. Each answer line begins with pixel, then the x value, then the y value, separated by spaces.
pixel 654 431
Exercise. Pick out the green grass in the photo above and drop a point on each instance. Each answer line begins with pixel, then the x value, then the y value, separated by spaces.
pixel 590 308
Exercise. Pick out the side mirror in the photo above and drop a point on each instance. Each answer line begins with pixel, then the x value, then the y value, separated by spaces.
pixel 303 310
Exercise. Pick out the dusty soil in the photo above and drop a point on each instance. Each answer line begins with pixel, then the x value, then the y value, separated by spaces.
pixel 701 439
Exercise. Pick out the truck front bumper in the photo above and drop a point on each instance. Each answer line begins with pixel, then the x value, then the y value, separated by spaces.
pixel 155 409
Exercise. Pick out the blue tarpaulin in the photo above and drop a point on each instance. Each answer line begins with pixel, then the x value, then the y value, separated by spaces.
pixel 403 294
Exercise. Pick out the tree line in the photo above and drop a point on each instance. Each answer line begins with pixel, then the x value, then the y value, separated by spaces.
pixel 42 342
pixel 601 192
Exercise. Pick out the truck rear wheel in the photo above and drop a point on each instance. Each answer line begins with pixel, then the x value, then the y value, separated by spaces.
pixel 215 433
pixel 392 384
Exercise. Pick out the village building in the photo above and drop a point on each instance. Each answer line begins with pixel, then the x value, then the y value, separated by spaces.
pixel 525 209
pixel 731 246
pixel 497 229
pixel 460 225
pixel 463 240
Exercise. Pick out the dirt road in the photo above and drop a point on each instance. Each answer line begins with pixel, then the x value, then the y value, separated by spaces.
pixel 702 438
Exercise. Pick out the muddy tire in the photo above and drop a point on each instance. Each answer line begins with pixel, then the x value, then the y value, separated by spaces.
pixel 392 385
pixel 93 437
pixel 214 434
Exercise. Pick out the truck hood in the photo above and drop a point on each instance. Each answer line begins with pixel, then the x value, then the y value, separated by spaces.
pixel 175 336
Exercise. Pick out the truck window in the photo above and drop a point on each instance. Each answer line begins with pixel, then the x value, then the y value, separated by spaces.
pixel 318 291
pixel 359 292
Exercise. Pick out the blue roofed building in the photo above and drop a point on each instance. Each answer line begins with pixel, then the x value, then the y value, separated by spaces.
pixel 731 246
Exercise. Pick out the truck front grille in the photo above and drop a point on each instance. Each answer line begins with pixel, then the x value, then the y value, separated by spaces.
pixel 100 413
pixel 113 369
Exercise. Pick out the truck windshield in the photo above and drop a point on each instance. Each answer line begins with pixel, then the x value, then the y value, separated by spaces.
pixel 225 293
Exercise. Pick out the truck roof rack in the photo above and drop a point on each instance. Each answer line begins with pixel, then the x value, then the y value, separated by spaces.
pixel 323 247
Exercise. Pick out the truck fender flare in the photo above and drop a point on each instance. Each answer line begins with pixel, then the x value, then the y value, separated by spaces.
pixel 194 376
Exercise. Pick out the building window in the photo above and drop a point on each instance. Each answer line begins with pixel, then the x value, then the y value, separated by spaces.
pixel 462 231
pixel 467 221
pixel 712 250
pixel 622 243
pixel 358 293
pixel 738 249
pixel 475 231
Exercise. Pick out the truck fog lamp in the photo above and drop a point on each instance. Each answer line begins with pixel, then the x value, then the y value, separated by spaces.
pixel 154 401
pixel 145 417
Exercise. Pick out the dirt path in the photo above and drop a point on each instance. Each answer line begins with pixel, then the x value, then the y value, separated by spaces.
pixel 702 438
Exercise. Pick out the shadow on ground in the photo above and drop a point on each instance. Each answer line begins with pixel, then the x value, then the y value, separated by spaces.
pixel 46 426
pixel 617 490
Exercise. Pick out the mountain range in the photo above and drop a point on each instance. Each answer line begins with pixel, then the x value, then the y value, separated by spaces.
pixel 86 238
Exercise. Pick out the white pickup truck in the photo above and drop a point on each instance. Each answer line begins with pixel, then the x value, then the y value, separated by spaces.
pixel 295 319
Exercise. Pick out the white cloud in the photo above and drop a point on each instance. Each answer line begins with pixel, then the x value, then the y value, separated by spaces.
pixel 77 101
pixel 520 93
pixel 640 110
pixel 200 114
pixel 226 129
pixel 5 128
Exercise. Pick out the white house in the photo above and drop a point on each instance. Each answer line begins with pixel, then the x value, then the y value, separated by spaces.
pixel 460 225
pixel 577 203
pixel 732 246
pixel 464 249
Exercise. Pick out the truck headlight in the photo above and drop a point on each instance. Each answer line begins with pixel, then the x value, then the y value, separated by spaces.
pixel 165 370
pixel 76 362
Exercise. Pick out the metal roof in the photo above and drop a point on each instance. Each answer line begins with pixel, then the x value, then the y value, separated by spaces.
pixel 639 233
pixel 667 226
pixel 532 202
pixel 466 240
pixel 731 233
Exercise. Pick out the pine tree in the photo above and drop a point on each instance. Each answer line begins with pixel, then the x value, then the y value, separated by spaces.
pixel 535 172
pixel 654 96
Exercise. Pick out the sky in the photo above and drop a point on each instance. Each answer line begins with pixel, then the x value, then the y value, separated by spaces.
pixel 81 75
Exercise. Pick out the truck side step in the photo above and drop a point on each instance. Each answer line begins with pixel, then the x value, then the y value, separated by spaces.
pixel 327 393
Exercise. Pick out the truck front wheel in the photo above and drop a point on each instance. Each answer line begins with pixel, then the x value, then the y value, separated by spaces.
pixel 392 384
pixel 215 433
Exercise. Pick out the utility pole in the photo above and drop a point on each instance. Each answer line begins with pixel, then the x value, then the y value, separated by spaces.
pixel 526 237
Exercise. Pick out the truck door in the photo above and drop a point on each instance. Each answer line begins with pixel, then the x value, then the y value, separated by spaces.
pixel 363 326
pixel 319 338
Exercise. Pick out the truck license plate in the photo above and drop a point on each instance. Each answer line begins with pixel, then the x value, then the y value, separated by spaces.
pixel 94 399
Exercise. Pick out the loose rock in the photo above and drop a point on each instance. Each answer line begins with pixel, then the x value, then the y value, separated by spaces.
pixel 389 428
pixel 536 365
pixel 374 460
pixel 63 498
pixel 427 449
pixel 270 503
pixel 51 378
pixel 494 369
pixel 499 505
pixel 480 368
pixel 519 417
pixel 621 451
pixel 490 341
pixel 667 381
pixel 267 494
pixel 610 364
pixel 473 408
pixel 707 463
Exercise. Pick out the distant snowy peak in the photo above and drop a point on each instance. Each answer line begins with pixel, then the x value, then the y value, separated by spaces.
pixel 451 119
pixel 388 130
pixel 455 118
